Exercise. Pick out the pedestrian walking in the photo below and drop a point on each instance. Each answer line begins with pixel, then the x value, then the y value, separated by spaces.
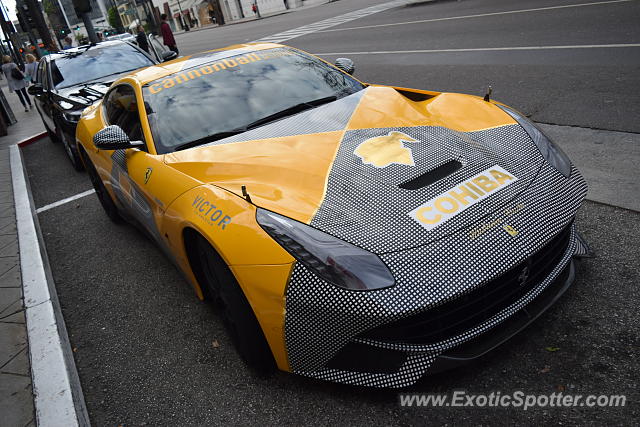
pixel 67 43
pixel 141 38
pixel 16 81
pixel 30 68
pixel 167 34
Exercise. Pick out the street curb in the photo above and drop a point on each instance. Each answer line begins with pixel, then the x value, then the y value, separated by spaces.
pixel 31 139
pixel 58 398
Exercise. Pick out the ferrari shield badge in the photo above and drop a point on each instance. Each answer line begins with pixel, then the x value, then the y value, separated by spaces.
pixel 147 174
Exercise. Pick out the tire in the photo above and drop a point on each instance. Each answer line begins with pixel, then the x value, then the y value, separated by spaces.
pixel 221 286
pixel 52 135
pixel 107 203
pixel 71 150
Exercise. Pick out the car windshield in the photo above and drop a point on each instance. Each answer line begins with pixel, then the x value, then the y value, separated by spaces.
pixel 218 98
pixel 96 62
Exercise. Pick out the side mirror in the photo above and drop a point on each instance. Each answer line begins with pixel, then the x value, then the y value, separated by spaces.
pixel 346 65
pixel 113 138
pixel 168 55
pixel 35 90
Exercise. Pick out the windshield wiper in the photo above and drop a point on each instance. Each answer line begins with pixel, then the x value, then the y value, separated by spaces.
pixel 210 138
pixel 290 111
pixel 280 114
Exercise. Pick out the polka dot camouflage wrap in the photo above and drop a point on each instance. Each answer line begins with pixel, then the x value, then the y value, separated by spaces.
pixel 364 206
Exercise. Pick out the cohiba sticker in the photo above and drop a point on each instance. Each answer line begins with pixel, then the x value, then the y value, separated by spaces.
pixel 383 151
pixel 469 192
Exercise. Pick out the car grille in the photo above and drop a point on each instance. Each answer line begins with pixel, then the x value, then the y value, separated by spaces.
pixel 469 310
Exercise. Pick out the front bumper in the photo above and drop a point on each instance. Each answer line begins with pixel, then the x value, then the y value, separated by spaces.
pixel 323 321
pixel 370 362
pixel 365 357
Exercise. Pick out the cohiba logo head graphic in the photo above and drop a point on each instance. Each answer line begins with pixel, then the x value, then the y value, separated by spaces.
pixel 383 151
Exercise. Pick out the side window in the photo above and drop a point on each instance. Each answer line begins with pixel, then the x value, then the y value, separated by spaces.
pixel 42 74
pixel 121 108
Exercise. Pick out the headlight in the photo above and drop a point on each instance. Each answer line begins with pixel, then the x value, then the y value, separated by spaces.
pixel 336 261
pixel 550 151
pixel 72 115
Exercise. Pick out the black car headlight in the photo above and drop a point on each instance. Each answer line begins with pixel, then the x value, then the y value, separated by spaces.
pixel 336 261
pixel 550 151
pixel 72 115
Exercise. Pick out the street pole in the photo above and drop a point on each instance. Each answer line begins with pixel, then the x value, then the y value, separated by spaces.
pixel 155 27
pixel 9 31
pixel 41 24
pixel 88 25
pixel 184 23
pixel 119 26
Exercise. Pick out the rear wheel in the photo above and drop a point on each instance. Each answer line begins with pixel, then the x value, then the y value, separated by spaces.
pixel 107 203
pixel 222 287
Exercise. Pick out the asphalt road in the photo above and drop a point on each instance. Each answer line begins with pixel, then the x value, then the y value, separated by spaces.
pixel 589 87
pixel 144 344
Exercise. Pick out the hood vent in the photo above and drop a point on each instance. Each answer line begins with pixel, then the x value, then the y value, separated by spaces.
pixel 415 96
pixel 432 176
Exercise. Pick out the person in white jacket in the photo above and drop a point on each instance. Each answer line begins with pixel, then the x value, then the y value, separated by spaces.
pixel 17 85
pixel 30 68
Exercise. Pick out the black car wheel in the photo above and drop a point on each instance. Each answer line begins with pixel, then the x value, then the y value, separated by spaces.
pixel 52 135
pixel 70 149
pixel 107 203
pixel 235 310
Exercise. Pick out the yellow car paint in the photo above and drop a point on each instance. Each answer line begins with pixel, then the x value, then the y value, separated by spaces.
pixel 188 188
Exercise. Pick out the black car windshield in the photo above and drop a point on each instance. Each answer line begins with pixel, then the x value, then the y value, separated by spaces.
pixel 223 97
pixel 96 62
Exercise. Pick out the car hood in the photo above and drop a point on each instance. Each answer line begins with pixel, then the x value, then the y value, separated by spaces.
pixel 341 167
pixel 81 96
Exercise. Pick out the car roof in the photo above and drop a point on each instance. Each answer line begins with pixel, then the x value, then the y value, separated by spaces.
pixel 155 72
pixel 81 49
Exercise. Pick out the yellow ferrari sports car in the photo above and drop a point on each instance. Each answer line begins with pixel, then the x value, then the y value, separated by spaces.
pixel 352 232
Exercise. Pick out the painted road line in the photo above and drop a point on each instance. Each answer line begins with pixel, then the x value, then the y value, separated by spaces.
pixel 480 15
pixel 330 22
pixel 64 201
pixel 50 370
pixel 483 49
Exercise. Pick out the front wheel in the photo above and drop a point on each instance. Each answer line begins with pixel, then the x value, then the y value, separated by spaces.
pixel 52 135
pixel 107 203
pixel 236 311
pixel 71 150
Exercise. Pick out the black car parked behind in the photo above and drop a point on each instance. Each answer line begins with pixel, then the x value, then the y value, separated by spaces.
pixel 69 81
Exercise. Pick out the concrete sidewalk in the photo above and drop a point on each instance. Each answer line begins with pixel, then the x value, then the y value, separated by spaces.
pixel 16 395
pixel 29 123
pixel 36 375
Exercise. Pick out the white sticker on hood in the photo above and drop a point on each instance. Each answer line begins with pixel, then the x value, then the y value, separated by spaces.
pixel 469 192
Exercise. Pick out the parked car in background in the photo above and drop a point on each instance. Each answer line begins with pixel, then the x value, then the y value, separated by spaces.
pixel 127 37
pixel 68 82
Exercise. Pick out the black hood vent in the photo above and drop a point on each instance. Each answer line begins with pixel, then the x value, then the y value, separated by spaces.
pixel 432 176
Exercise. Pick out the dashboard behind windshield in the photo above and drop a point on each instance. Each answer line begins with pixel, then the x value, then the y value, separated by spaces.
pixel 96 62
pixel 229 93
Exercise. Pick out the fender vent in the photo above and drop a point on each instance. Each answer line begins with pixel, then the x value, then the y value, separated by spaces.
pixel 432 176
